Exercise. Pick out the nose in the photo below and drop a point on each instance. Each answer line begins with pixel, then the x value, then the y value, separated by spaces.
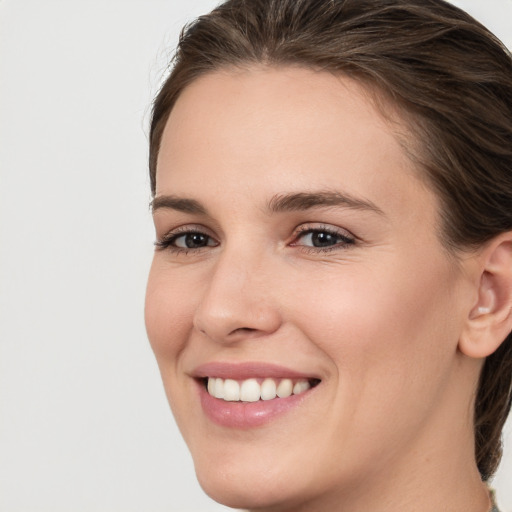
pixel 237 300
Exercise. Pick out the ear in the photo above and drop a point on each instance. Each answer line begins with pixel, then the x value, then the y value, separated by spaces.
pixel 490 319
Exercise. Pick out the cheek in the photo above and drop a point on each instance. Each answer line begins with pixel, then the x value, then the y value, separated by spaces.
pixel 389 333
pixel 391 346
pixel 168 314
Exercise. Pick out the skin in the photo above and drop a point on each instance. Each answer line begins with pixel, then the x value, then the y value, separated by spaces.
pixel 378 320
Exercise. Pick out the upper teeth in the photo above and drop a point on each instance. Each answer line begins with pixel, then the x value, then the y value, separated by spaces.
pixel 251 390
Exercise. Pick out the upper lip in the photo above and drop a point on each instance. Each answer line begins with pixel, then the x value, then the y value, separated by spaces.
pixel 248 370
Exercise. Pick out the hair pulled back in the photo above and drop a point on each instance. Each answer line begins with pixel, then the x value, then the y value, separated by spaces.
pixel 449 77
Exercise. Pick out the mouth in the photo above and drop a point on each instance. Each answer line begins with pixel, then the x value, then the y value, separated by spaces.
pixel 248 395
pixel 254 389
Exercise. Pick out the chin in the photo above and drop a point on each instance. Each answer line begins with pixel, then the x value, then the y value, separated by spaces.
pixel 245 475
pixel 242 480
pixel 253 491
pixel 259 479
pixel 238 494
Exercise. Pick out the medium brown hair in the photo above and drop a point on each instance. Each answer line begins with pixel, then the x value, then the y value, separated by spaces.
pixel 449 77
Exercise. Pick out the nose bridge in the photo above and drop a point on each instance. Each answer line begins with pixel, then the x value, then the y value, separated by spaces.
pixel 236 301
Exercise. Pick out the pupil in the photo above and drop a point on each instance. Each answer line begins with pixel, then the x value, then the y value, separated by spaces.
pixel 323 239
pixel 194 240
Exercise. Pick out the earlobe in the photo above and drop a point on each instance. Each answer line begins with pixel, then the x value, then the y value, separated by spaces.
pixel 490 319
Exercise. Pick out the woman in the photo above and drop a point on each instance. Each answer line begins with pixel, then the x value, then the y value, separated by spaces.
pixel 330 301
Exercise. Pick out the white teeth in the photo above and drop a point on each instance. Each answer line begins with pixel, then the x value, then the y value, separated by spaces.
pixel 219 388
pixel 301 386
pixel 250 390
pixel 231 390
pixel 268 389
pixel 211 386
pixel 285 388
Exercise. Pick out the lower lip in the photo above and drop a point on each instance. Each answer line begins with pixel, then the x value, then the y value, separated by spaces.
pixel 245 415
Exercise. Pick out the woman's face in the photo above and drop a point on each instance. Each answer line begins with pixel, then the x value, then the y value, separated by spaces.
pixel 295 243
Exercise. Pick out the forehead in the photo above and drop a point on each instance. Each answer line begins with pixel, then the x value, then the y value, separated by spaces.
pixel 287 102
pixel 290 128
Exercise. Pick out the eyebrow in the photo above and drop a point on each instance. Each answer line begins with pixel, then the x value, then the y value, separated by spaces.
pixel 179 204
pixel 302 201
pixel 299 201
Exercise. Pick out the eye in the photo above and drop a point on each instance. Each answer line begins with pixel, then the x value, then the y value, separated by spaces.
pixel 193 241
pixel 322 238
pixel 185 240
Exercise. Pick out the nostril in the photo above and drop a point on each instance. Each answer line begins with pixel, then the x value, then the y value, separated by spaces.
pixel 244 333
pixel 242 330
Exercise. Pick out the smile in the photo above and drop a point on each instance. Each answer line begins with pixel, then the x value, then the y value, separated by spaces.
pixel 253 390
pixel 251 394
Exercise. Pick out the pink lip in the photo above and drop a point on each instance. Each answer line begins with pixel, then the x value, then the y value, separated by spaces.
pixel 241 371
pixel 246 415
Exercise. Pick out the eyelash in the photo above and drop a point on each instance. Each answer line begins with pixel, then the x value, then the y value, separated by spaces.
pixel 346 239
pixel 167 241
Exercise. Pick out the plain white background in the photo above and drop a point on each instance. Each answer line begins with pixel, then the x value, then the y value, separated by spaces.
pixel 84 424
